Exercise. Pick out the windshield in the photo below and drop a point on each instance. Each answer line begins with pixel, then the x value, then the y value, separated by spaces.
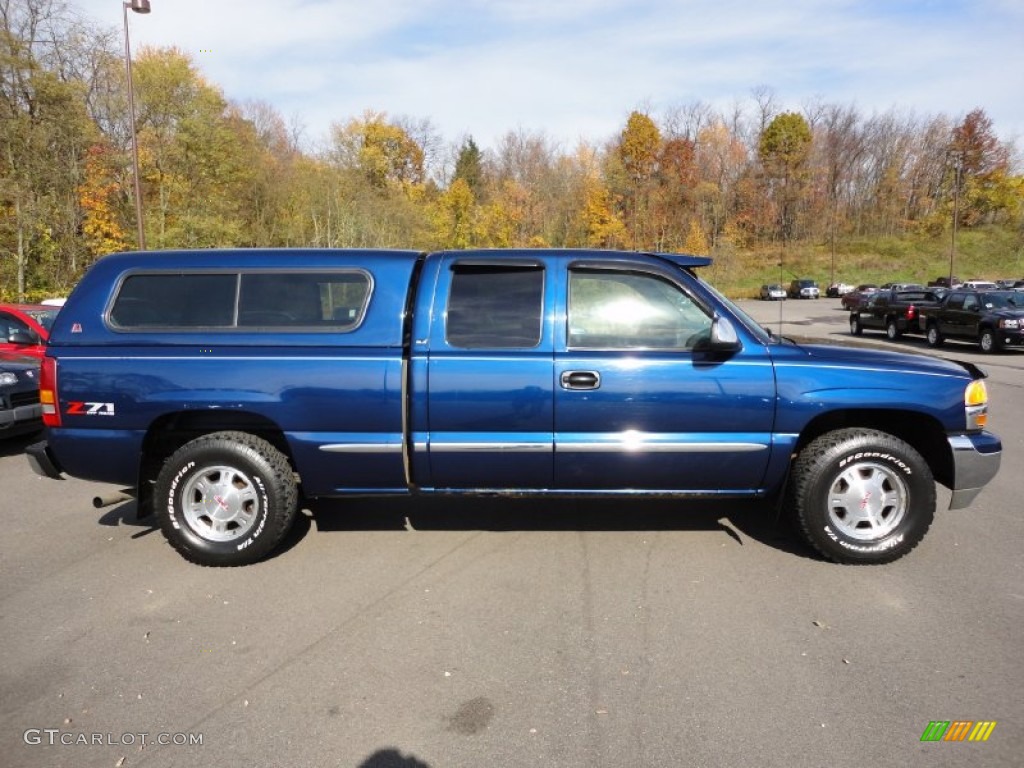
pixel 1003 300
pixel 748 322
pixel 44 317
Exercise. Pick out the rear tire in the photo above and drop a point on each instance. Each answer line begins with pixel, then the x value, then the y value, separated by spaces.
pixel 933 337
pixel 856 329
pixel 861 496
pixel 226 499
pixel 892 330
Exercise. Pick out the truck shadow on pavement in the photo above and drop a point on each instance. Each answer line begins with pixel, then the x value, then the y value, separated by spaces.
pixel 738 521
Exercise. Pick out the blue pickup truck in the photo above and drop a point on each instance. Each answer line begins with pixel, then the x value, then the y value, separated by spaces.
pixel 223 387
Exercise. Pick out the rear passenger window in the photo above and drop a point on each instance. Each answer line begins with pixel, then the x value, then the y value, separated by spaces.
pixel 176 301
pixel 495 306
pixel 306 301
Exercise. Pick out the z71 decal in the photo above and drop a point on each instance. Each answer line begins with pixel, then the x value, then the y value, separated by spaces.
pixel 90 409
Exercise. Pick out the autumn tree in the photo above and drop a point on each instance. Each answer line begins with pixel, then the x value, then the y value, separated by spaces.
pixel 784 148
pixel 195 155
pixel 674 201
pixel 454 219
pixel 43 141
pixel 980 163
pixel 721 158
pixel 638 150
pixel 379 149
pixel 102 228
pixel 469 166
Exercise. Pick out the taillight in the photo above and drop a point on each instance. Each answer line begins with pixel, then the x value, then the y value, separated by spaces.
pixel 911 312
pixel 48 392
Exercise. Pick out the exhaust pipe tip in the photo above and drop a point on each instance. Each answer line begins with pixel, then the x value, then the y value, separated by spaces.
pixel 112 498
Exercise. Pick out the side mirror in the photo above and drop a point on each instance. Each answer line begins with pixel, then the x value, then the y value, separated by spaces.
pixel 21 338
pixel 723 336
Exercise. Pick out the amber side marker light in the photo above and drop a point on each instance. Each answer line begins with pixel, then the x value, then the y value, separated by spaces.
pixel 976 404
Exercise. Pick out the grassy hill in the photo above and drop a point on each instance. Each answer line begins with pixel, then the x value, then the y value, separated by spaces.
pixel 986 253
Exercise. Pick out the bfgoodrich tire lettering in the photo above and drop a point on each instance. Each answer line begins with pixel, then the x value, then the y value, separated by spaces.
pixel 226 498
pixel 861 496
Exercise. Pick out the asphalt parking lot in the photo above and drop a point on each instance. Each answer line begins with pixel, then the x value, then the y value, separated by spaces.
pixel 404 634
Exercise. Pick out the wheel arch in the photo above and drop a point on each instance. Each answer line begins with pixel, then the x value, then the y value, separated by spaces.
pixel 921 431
pixel 172 430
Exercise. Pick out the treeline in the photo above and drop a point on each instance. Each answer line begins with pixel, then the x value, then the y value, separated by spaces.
pixel 216 173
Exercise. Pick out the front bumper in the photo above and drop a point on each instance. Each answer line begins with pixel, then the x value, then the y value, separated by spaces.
pixel 21 419
pixel 976 460
pixel 1010 337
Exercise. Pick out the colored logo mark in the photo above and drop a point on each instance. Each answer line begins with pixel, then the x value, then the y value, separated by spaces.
pixel 958 730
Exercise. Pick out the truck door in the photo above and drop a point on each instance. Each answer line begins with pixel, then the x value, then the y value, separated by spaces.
pixel 638 405
pixel 489 376
pixel 959 313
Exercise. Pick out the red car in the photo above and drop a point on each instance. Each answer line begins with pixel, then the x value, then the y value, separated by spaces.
pixel 24 329
pixel 858 298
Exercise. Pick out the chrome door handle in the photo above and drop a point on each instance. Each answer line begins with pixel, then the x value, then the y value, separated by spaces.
pixel 580 379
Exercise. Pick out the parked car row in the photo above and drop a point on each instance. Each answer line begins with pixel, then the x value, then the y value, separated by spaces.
pixel 947 281
pixel 994 320
pixel 852 297
pixel 802 288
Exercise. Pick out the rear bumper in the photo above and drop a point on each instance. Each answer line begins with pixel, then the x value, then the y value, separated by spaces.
pixel 43 461
pixel 976 460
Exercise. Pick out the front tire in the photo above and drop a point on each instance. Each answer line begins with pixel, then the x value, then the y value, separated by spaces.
pixel 856 329
pixel 226 499
pixel 861 496
pixel 988 341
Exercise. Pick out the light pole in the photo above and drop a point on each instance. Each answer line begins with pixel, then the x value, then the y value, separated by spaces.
pixel 957 158
pixel 139 6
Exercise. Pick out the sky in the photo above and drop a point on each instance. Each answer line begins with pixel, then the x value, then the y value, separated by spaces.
pixel 574 69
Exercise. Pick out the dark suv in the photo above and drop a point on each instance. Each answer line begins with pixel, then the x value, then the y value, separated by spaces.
pixel 993 319
pixel 804 289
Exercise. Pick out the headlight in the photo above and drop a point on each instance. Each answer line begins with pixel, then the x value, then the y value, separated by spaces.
pixel 8 379
pixel 1009 323
pixel 976 404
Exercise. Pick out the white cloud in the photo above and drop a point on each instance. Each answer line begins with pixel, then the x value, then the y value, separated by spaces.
pixel 575 68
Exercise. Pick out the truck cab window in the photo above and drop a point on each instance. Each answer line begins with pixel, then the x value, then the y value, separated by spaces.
pixel 495 307
pixel 611 309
